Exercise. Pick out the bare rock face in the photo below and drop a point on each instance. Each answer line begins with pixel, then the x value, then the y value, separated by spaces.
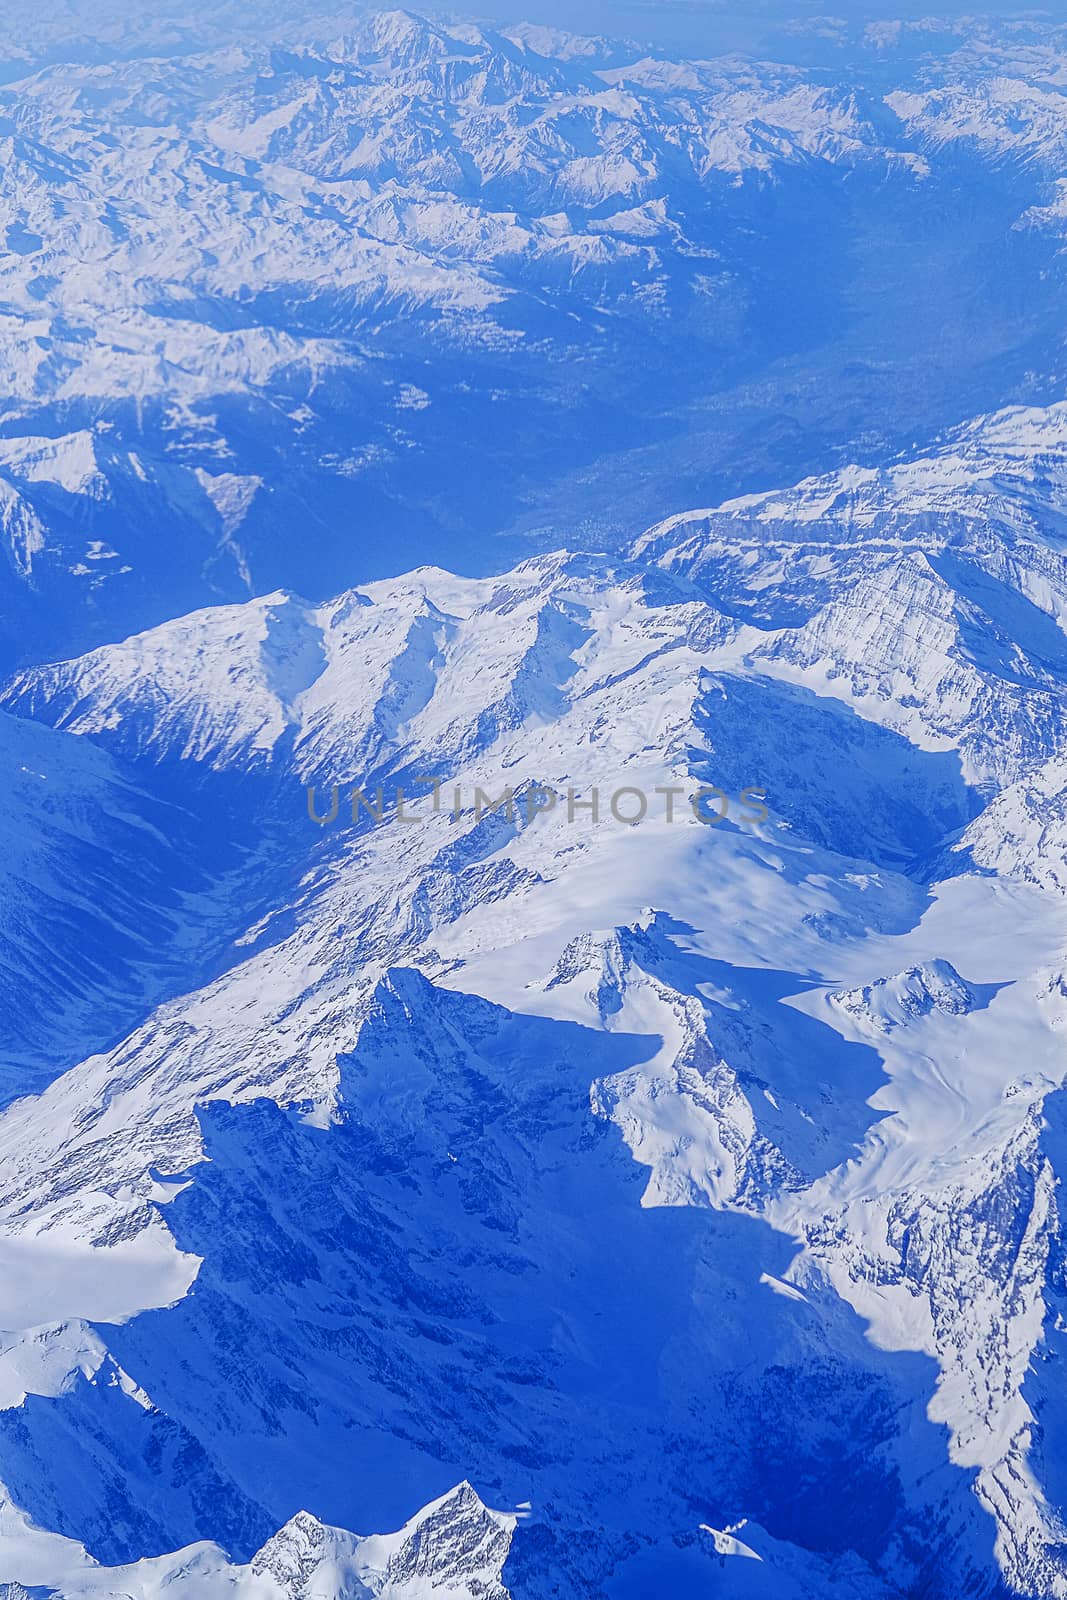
pixel 304 1556
pixel 455 1547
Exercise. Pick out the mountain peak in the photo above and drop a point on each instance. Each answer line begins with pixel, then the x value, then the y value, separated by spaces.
pixel 929 988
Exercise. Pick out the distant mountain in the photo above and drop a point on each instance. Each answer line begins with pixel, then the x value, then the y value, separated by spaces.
pixel 296 306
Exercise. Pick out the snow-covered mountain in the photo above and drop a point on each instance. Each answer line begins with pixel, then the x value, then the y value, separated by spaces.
pixel 690 1185
pixel 454 1549
pixel 345 275
pixel 558 1053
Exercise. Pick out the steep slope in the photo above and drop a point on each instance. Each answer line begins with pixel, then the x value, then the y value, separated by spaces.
pixel 577 1348
pixel 929 595
pixel 1023 832
pixel 922 606
pixel 589 1034
pixel 109 900
pixel 498 1138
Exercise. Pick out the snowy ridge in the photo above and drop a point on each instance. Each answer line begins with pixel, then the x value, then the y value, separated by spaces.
pixel 692 1186
pixel 454 1547
pixel 968 539
pixel 774 1024
pixel 890 592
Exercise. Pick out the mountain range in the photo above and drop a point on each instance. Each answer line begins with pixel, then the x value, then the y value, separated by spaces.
pixel 540 1076
pixel 327 273
pixel 483 1153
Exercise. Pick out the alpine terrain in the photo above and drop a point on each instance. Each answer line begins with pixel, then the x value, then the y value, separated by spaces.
pixel 533 909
